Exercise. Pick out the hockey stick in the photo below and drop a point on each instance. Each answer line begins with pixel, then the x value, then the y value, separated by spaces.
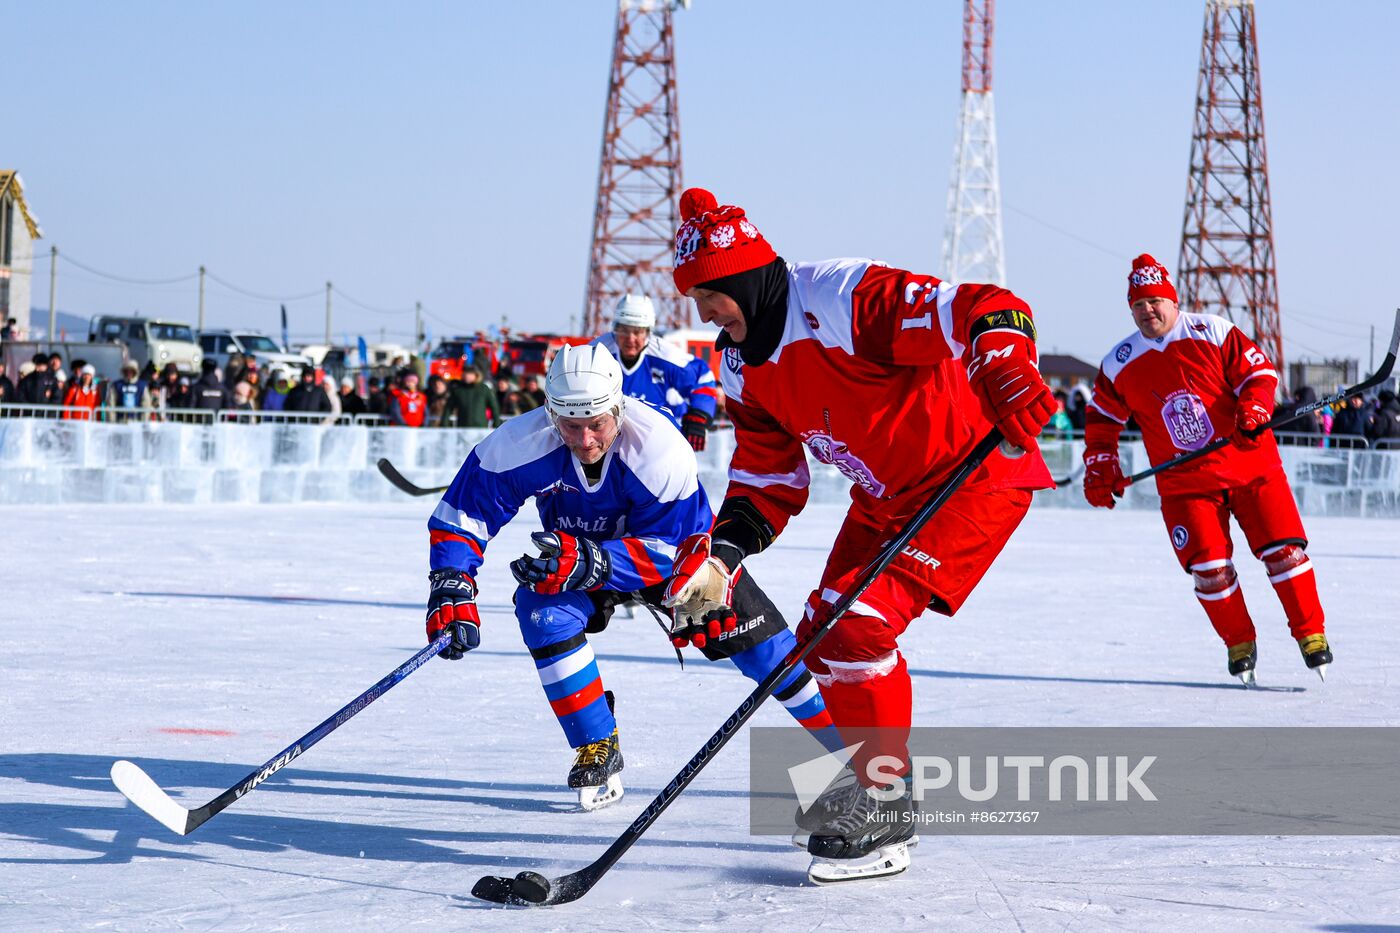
pixel 530 887
pixel 146 794
pixel 1073 475
pixel 402 482
pixel 1375 379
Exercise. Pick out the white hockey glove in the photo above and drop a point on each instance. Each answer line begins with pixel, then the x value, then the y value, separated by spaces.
pixel 700 593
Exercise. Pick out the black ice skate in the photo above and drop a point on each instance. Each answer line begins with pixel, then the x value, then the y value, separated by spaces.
pixel 1316 653
pixel 868 838
pixel 833 801
pixel 1242 659
pixel 595 773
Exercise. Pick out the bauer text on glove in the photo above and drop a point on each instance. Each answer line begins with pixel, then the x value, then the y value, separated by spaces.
pixel 700 593
pixel 452 608
pixel 566 562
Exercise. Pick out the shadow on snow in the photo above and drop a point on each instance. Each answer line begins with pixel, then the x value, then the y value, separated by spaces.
pixel 85 828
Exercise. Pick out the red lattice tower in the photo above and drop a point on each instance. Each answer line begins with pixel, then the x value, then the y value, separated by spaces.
pixel 972 236
pixel 639 177
pixel 1227 265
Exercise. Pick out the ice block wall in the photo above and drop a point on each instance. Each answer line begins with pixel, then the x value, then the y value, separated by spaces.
pixel 47 461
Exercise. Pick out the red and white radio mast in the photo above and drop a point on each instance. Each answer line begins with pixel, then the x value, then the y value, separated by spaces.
pixel 639 178
pixel 972 240
pixel 1226 265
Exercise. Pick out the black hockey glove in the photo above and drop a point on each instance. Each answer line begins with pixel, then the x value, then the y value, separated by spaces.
pixel 565 563
pixel 694 425
pixel 452 608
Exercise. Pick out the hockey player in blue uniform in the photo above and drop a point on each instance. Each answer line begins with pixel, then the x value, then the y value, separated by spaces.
pixel 658 373
pixel 617 491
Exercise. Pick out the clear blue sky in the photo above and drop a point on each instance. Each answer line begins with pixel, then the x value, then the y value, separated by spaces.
pixel 447 152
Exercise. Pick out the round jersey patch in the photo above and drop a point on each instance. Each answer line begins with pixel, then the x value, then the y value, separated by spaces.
pixel 1180 536
pixel 1125 351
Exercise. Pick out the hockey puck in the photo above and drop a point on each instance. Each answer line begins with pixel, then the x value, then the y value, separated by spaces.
pixel 531 886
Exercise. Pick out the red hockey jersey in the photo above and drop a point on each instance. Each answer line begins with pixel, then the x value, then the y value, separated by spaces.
pixel 1182 390
pixel 870 375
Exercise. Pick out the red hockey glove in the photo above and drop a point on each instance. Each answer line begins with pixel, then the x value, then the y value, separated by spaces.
pixel 1250 416
pixel 814 620
pixel 1103 478
pixel 452 607
pixel 694 426
pixel 565 563
pixel 1013 395
pixel 700 593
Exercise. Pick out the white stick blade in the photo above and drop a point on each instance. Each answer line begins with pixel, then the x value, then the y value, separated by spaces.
pixel 138 787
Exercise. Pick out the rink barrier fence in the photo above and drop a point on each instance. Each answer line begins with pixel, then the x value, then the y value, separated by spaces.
pixel 290 457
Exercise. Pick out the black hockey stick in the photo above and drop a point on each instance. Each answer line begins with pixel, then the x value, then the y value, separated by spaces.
pixel 1278 421
pixel 138 787
pixel 532 888
pixel 402 482
pixel 1073 475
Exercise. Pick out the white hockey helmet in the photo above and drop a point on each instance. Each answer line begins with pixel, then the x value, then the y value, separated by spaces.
pixel 583 382
pixel 635 311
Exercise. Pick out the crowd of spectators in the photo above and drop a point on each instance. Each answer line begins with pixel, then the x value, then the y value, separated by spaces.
pixel 469 402
pixel 1357 422
pixel 242 387
pixel 481 401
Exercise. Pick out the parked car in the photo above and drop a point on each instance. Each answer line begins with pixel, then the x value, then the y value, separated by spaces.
pixel 529 355
pixel 334 361
pixel 452 354
pixel 698 342
pixel 218 344
pixel 150 340
pixel 384 354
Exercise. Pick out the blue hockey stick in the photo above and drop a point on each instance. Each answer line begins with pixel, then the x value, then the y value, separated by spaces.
pixel 146 794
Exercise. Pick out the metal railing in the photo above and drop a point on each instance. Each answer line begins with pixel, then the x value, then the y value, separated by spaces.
pixel 114 415
pixel 111 414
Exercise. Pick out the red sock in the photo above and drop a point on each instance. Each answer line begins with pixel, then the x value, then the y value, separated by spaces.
pixel 1218 589
pixel 1291 573
pixel 876 712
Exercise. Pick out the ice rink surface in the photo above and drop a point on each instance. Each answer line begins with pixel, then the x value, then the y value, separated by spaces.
pixel 200 640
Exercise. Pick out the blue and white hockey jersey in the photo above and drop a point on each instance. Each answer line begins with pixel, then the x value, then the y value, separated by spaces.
pixel 647 501
pixel 667 377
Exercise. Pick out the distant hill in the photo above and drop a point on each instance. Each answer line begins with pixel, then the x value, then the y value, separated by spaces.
pixel 74 326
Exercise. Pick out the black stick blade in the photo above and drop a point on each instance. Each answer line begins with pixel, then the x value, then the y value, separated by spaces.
pixel 531 889
pixel 496 889
pixel 386 469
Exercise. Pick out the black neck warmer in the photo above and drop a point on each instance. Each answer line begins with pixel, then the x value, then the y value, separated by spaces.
pixel 762 296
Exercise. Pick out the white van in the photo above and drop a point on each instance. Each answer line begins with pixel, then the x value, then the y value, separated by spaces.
pixel 150 340
pixel 218 344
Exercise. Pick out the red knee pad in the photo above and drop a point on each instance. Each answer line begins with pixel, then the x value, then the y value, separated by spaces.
pixel 869 642
pixel 1284 561
pixel 1214 579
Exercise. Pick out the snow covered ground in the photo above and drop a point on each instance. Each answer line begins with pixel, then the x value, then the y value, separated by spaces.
pixel 199 640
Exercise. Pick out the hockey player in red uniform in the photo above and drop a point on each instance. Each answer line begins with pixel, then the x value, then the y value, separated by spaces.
pixel 892 377
pixel 1187 379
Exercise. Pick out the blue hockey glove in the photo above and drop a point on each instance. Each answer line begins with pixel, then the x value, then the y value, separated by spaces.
pixel 565 563
pixel 452 608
